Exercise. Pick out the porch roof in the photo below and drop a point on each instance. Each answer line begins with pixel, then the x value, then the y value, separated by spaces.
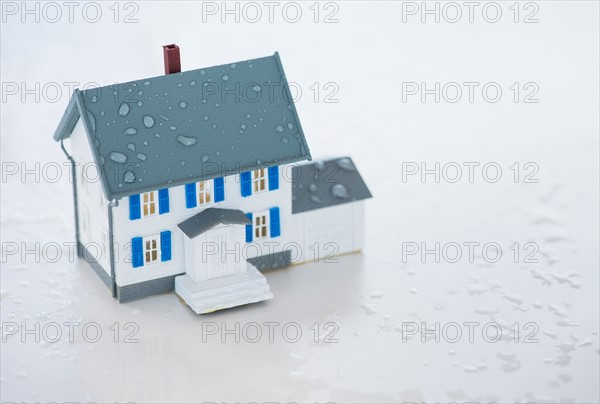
pixel 211 217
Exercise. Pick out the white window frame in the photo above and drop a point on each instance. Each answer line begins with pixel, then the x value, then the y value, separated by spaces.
pixel 151 244
pixel 261 225
pixel 259 180
pixel 205 192
pixel 149 203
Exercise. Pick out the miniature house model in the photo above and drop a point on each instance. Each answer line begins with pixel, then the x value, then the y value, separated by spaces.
pixel 192 182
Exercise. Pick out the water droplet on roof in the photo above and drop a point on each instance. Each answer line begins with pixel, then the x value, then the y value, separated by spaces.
pixel 141 156
pixel 284 140
pixel 182 104
pixel 205 158
pixel 139 103
pixel 279 128
pixel 346 164
pixel 225 77
pixel 256 88
pixel 124 109
pixel 206 117
pixel 233 65
pixel 102 113
pixel 202 72
pixel 290 126
pixel 313 187
pixel 102 160
pixel 117 157
pixel 243 126
pixel 92 121
pixel 217 105
pixel 94 98
pixel 182 162
pixel 340 191
pixel 130 131
pixel 173 127
pixel 163 117
pixel 248 116
pixel 217 152
pixel 186 140
pixel 145 142
pixel 128 177
pixel 192 83
pixel 147 82
pixel 157 134
pixel 148 121
pixel 316 199
pixel 131 146
pixel 179 84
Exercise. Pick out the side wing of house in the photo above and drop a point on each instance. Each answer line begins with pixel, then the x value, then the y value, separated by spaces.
pixel 92 206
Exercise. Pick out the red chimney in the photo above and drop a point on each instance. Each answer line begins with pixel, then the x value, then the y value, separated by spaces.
pixel 172 62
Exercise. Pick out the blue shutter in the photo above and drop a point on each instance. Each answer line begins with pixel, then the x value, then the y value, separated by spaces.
pixel 249 229
pixel 274 219
pixel 163 201
pixel 137 252
pixel 219 189
pixel 246 181
pixel 190 195
pixel 165 246
pixel 134 207
pixel 273 178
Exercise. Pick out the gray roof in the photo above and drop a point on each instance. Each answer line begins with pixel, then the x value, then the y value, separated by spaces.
pixel 178 128
pixel 209 218
pixel 326 183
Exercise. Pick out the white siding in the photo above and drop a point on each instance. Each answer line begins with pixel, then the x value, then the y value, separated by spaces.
pixel 91 203
pixel 125 229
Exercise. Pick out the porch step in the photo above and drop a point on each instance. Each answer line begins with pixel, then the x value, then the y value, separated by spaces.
pixel 222 293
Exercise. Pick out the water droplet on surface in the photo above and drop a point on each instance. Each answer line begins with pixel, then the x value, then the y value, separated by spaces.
pixel 145 142
pixel 173 127
pixel 182 104
pixel 117 157
pixel 290 126
pixel 139 103
pixel 243 126
pixel 147 83
pixel 192 83
pixel 128 177
pixel 256 88
pixel 248 116
pixel 131 146
pixel 340 191
pixel 225 77
pixel 284 140
pixel 205 158
pixel 148 121
pixel 124 109
pixel 130 131
pixel 186 140
pixel 206 117
pixel 279 128
pixel 141 156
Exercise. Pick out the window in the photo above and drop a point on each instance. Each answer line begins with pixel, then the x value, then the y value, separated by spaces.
pixel 149 201
pixel 151 248
pixel 204 192
pixel 261 225
pixel 259 180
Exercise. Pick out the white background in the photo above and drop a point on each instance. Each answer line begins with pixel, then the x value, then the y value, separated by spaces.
pixel 368 53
